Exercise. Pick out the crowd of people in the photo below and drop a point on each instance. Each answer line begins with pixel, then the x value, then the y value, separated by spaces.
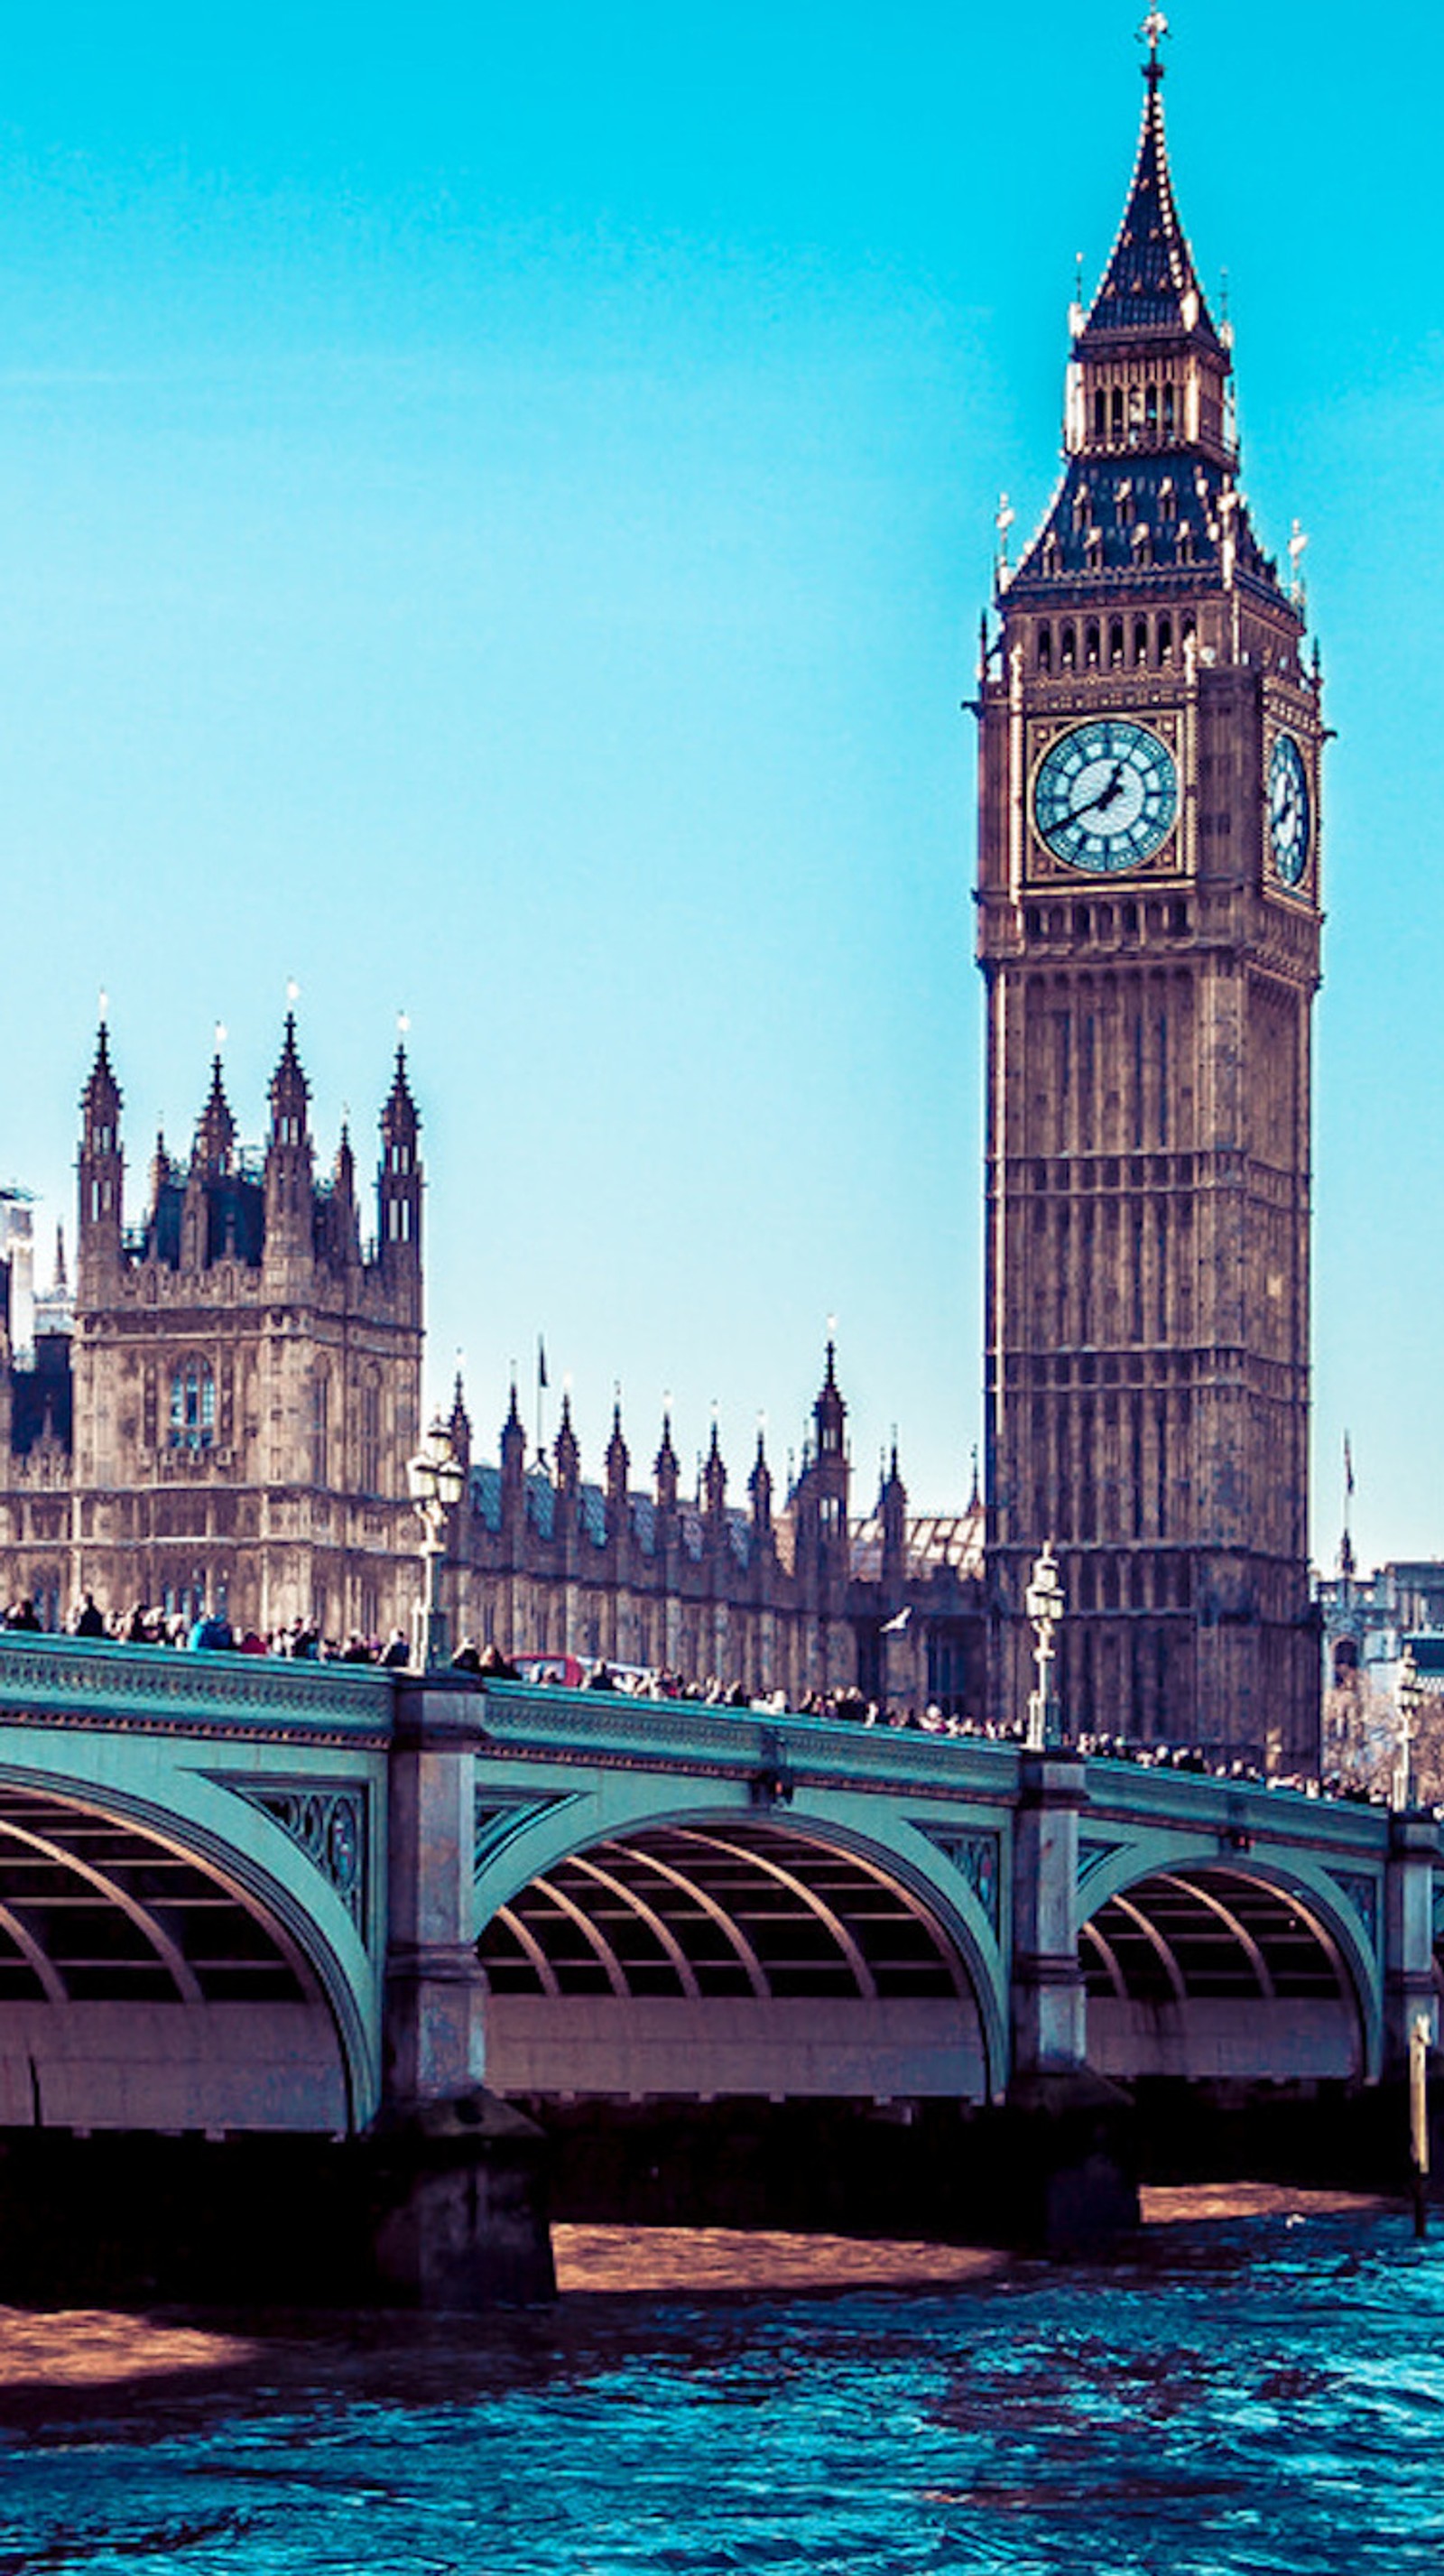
pixel 212 1632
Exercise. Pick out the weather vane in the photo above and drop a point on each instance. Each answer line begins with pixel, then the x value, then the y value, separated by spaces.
pixel 1151 34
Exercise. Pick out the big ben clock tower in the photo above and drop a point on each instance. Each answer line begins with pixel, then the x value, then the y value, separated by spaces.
pixel 1148 891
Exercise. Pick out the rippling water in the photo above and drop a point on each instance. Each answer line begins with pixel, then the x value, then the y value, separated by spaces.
pixel 1269 2399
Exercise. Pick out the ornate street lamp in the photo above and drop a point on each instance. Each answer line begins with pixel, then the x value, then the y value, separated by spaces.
pixel 1044 1603
pixel 1410 1694
pixel 437 1479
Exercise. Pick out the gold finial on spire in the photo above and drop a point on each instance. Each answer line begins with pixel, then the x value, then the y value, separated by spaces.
pixel 1151 34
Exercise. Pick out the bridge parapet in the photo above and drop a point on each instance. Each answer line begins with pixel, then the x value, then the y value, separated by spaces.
pixel 610 1728
pixel 79 1681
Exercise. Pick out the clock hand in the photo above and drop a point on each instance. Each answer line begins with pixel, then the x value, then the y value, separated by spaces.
pixel 1105 795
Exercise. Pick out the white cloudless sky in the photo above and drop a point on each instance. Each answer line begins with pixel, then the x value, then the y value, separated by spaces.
pixel 495 505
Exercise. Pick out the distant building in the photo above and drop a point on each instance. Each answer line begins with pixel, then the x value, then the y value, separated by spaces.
pixel 223 1414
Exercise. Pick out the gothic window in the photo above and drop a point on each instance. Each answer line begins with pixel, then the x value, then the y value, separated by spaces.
pixel 1100 415
pixel 370 1459
pixel 320 1443
pixel 1093 552
pixel 1117 412
pixel 1165 639
pixel 1068 650
pixel 1045 648
pixel 1140 639
pixel 1080 510
pixel 1090 647
pixel 1115 644
pixel 193 1406
pixel 1170 410
pixel 1150 410
pixel 398 1220
pixel 1125 505
pixel 1052 560
pixel 1167 500
pixel 1142 548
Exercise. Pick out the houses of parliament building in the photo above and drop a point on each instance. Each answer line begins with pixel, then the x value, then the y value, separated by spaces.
pixel 234 1409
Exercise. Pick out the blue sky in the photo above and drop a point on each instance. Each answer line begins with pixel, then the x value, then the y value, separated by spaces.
pixel 494 509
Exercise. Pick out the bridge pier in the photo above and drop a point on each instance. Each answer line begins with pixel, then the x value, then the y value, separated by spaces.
pixel 1409 1988
pixel 459 2208
pixel 1073 2167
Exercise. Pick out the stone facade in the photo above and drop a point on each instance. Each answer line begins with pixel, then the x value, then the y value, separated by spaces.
pixel 230 1422
pixel 225 1423
pixel 1149 920
pixel 802 1598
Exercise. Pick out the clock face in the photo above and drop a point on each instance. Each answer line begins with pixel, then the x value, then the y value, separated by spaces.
pixel 1106 795
pixel 1288 810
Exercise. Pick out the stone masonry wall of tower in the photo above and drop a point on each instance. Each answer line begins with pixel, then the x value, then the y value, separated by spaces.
pixel 1149 922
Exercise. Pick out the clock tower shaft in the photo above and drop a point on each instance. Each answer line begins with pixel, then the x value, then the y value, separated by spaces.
pixel 1148 930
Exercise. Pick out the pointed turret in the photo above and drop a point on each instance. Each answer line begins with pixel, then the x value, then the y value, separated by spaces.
pixel 101 1169
pixel 290 1092
pixel 566 1453
pixel 892 1508
pixel 759 1488
pixel 1150 287
pixel 345 1214
pixel 665 1469
pixel 290 1205
pixel 714 1480
pixel 829 1413
pixel 513 1460
pixel 618 1471
pixel 398 1185
pixel 822 1490
pixel 215 1141
pixel 1149 489
pixel 458 1426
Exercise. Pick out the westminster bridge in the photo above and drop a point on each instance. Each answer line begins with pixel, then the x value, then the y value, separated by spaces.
pixel 248 1897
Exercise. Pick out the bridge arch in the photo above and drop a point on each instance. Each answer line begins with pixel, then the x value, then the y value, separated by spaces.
pixel 166 1966
pixel 1251 1966
pixel 640 1948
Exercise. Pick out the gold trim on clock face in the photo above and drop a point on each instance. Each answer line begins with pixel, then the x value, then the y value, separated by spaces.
pixel 1105 795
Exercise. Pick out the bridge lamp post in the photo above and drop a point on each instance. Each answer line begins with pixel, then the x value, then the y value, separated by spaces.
pixel 1410 1694
pixel 1044 1604
pixel 436 1478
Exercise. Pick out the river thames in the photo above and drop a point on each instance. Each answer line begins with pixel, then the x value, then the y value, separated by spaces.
pixel 1240 2393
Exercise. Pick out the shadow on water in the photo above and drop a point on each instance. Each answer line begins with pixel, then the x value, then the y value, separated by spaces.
pixel 1220 2402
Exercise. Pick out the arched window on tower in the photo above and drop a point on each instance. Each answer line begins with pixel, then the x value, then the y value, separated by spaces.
pixel 1165 639
pixel 1068 650
pixel 1140 640
pixel 1045 648
pixel 1170 411
pixel 1116 419
pixel 193 1406
pixel 1115 644
pixel 369 1462
pixel 320 1428
pixel 1100 415
pixel 1150 410
pixel 1091 645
